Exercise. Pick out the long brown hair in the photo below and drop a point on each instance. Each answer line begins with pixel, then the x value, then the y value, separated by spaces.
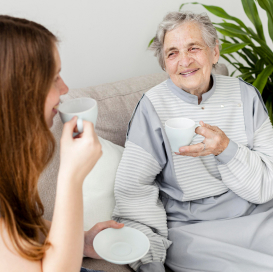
pixel 27 69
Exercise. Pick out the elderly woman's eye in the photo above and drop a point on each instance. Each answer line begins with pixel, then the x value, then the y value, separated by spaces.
pixel 171 55
pixel 194 49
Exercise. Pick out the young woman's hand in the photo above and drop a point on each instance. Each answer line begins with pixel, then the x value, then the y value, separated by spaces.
pixel 80 154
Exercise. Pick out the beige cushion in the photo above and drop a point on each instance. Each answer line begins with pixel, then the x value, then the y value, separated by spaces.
pixel 104 266
pixel 220 69
pixel 98 186
pixel 116 102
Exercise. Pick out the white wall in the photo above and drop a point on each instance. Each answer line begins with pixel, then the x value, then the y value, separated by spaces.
pixel 104 41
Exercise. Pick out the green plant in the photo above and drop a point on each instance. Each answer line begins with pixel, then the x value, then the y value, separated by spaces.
pixel 240 42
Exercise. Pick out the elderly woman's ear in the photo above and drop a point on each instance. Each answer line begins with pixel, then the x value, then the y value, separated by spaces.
pixel 216 52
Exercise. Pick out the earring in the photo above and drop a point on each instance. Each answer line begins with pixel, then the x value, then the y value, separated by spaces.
pixel 214 64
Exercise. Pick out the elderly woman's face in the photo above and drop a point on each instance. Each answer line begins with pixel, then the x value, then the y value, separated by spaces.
pixel 188 60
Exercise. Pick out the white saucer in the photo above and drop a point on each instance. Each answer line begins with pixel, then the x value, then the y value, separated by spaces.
pixel 121 246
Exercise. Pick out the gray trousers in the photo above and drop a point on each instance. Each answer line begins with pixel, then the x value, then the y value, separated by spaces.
pixel 243 244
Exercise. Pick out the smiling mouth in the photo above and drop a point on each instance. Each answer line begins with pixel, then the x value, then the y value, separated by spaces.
pixel 190 72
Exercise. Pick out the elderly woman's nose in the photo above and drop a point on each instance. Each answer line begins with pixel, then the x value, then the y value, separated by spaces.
pixel 185 59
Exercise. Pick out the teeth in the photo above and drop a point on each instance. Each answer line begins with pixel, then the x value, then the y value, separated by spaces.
pixel 188 72
pixel 56 107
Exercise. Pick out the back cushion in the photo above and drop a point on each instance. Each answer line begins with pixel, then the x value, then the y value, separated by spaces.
pixel 116 103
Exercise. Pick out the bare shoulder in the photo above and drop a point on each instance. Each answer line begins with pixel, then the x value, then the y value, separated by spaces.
pixel 10 260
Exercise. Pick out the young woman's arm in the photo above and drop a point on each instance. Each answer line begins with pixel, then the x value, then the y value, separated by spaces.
pixel 65 236
pixel 78 157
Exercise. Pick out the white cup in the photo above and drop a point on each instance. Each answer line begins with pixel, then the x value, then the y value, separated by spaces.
pixel 85 108
pixel 180 132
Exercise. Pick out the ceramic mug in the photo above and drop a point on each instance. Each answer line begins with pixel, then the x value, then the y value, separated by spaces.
pixel 85 108
pixel 180 132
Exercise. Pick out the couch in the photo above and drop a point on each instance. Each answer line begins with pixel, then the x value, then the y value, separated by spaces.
pixel 116 103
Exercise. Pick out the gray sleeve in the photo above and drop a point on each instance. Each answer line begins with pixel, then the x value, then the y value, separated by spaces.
pixel 255 114
pixel 136 192
pixel 152 267
pixel 249 173
pixel 145 131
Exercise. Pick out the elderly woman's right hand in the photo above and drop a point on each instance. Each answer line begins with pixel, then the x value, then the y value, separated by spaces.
pixel 79 155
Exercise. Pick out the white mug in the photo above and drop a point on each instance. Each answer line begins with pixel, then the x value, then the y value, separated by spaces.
pixel 180 132
pixel 85 108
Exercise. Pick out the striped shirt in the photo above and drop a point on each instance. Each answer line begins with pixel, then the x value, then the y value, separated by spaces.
pixel 149 168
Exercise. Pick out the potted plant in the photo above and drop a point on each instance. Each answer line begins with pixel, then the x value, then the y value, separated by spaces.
pixel 240 42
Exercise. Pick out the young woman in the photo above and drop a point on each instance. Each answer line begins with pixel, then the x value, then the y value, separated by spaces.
pixel 30 89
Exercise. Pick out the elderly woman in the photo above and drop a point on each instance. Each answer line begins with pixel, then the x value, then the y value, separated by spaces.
pixel 209 205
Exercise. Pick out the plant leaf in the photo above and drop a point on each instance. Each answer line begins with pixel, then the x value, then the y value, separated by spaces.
pixel 151 41
pixel 233 73
pixel 264 46
pixel 260 64
pixel 244 55
pixel 262 78
pixel 218 12
pixel 250 54
pixel 230 34
pixel 246 59
pixel 225 32
pixel 228 60
pixel 228 48
pixel 252 13
pixel 264 4
pixel 249 79
pixel 268 7
pixel 232 28
pixel 183 5
pixel 270 25
pixel 260 52
pixel 246 75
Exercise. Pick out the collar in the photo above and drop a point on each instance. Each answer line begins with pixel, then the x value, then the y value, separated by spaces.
pixel 191 98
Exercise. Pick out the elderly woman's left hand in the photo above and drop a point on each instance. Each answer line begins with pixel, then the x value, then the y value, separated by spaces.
pixel 90 235
pixel 215 142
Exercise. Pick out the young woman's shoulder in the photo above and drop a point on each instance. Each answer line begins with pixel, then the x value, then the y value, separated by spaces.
pixel 10 260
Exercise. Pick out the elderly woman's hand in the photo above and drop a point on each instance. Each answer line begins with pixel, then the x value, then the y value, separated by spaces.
pixel 90 235
pixel 215 142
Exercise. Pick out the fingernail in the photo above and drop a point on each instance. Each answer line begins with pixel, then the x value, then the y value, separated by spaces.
pixel 182 150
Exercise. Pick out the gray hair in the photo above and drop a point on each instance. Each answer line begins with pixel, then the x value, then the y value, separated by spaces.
pixel 174 19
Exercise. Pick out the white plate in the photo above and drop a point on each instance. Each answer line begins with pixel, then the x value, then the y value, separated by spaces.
pixel 121 246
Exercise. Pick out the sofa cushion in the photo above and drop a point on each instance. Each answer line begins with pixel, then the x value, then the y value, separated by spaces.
pixel 98 186
pixel 116 103
pixel 104 266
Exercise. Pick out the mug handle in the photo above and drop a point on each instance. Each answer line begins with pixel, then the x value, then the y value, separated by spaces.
pixel 80 125
pixel 196 126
